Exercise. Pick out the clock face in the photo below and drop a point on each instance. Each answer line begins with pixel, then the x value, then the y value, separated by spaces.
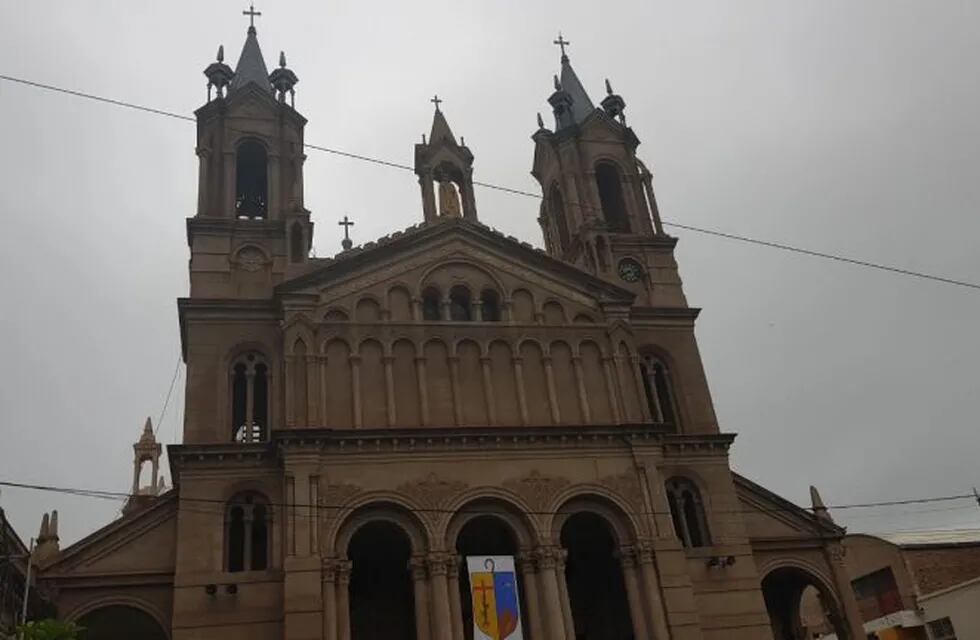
pixel 630 270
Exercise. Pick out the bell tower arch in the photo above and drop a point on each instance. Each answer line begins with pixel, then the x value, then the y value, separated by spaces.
pixel 598 208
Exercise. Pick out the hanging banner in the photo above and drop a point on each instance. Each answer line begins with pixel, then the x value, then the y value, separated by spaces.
pixel 496 604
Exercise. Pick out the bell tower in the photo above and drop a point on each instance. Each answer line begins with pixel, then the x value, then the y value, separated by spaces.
pixel 251 229
pixel 444 166
pixel 598 208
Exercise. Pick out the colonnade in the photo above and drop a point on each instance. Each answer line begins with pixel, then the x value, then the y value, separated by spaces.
pixel 548 610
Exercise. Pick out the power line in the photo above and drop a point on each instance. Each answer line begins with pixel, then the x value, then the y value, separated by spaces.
pixel 166 402
pixel 118 495
pixel 520 192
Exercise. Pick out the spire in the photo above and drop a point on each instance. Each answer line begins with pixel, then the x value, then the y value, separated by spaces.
pixel 147 437
pixel 251 65
pixel 284 80
pixel 440 127
pixel 570 101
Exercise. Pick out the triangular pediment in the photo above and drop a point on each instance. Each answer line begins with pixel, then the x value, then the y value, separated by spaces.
pixel 409 258
pixel 142 542
pixel 768 516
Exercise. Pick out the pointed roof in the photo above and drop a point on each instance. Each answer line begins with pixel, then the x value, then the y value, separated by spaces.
pixel 582 106
pixel 440 130
pixel 251 65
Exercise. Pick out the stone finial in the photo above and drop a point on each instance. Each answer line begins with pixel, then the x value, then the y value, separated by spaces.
pixel 557 83
pixel 221 53
pixel 47 538
pixel 818 506
pixel 540 121
pixel 42 534
pixel 282 59
pixel 609 90
pixel 53 525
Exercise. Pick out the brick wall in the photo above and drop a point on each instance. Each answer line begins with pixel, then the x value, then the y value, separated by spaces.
pixel 937 568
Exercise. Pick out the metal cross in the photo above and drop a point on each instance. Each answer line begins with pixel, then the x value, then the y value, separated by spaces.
pixel 436 101
pixel 346 224
pixel 562 42
pixel 251 13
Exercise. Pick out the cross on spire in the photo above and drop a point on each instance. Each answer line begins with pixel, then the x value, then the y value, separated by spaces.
pixel 436 100
pixel 251 13
pixel 346 223
pixel 562 42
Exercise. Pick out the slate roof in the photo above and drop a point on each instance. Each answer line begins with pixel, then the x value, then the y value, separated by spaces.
pixel 251 65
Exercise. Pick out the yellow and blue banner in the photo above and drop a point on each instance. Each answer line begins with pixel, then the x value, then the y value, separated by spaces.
pixel 496 603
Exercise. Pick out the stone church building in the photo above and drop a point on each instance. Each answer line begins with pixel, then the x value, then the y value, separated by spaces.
pixel 356 425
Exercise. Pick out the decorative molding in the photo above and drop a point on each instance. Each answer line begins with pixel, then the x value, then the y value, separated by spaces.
pixel 432 492
pixel 536 489
pixel 627 487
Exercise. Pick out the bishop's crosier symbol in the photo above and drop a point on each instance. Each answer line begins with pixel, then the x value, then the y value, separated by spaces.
pixel 496 608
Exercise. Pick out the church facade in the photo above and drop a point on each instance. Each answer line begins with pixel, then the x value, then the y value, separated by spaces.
pixel 355 426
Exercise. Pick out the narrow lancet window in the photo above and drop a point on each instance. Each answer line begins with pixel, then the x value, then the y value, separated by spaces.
pixel 249 399
pixel 431 304
pixel 687 513
pixel 609 181
pixel 247 534
pixel 490 306
pixel 460 309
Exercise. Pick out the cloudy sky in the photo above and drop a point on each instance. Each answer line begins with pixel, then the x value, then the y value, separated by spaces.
pixel 848 127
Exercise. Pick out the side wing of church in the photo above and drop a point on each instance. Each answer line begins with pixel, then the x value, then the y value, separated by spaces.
pixel 356 426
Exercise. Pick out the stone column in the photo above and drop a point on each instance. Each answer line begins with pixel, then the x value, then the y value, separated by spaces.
pixel 658 410
pixel 488 390
pixel 428 198
pixel 343 599
pixel 330 599
pixel 550 595
pixel 419 581
pixel 583 397
pixel 203 156
pixel 312 413
pixel 324 409
pixel 521 392
pixel 455 602
pixel 651 588
pixel 652 201
pixel 249 403
pixel 355 385
pixel 525 564
pixel 228 206
pixel 607 368
pixel 637 611
pixel 390 390
pixel 289 396
pixel 442 626
pixel 549 375
pixel 454 383
pixel 624 380
pixel 420 375
pixel 566 603
pixel 274 206
pixel 638 383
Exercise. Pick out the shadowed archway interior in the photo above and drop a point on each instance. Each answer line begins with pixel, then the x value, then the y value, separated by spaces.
pixel 382 603
pixel 596 591
pixel 120 622
pixel 783 590
pixel 484 536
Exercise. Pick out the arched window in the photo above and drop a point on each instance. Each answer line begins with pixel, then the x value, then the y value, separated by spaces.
pixel 249 398
pixel 610 184
pixel 687 512
pixel 556 208
pixel 297 243
pixel 490 306
pixel 247 541
pixel 659 391
pixel 251 180
pixel 460 309
pixel 431 304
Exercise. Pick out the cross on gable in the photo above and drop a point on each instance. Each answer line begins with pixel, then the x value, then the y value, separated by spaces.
pixel 251 13
pixel 346 224
pixel 562 42
pixel 436 101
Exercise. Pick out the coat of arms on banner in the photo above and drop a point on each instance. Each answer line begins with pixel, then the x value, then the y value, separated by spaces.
pixel 496 604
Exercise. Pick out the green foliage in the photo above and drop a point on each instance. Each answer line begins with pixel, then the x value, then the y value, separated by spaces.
pixel 49 630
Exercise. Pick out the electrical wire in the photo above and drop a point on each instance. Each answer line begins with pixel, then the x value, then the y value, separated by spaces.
pixel 396 165
pixel 117 495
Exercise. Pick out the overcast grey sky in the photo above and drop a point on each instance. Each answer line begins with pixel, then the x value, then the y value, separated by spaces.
pixel 837 125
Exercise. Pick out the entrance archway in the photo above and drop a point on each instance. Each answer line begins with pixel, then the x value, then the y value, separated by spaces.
pixel 596 589
pixel 120 622
pixel 485 536
pixel 784 589
pixel 382 602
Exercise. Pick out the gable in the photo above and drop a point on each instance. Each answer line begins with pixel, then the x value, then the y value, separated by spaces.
pixel 768 516
pixel 450 253
pixel 144 542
